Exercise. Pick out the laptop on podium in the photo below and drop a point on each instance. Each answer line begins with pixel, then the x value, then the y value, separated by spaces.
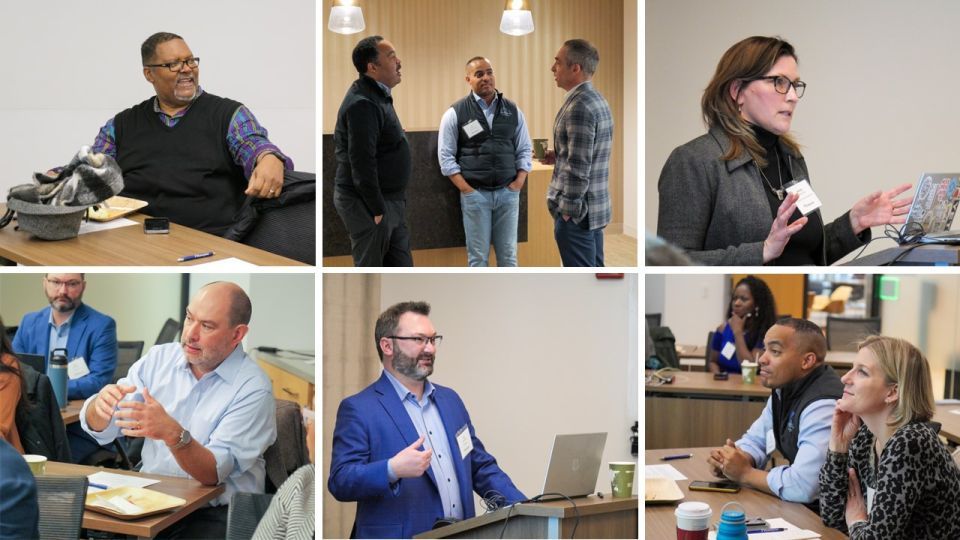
pixel 574 465
pixel 933 209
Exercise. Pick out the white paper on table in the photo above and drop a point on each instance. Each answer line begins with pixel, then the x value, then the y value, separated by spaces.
pixel 663 471
pixel 230 263
pixel 954 411
pixel 95 226
pixel 120 480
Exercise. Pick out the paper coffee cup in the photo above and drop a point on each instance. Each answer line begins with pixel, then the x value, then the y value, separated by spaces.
pixel 693 520
pixel 37 464
pixel 621 478
pixel 749 371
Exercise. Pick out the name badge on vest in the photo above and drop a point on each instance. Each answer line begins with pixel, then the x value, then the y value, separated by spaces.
pixel 465 441
pixel 77 368
pixel 808 201
pixel 472 128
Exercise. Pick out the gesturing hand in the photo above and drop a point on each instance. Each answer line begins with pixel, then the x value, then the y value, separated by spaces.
pixel 148 419
pixel 266 180
pixel 108 398
pixel 781 230
pixel 411 462
pixel 880 208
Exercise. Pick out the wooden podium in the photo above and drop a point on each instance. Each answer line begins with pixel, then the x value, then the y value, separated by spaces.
pixel 599 518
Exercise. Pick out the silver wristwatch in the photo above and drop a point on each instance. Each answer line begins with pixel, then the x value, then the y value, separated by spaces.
pixel 184 440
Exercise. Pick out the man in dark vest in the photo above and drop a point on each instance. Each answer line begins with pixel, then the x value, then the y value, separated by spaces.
pixel 796 420
pixel 191 155
pixel 373 160
pixel 485 150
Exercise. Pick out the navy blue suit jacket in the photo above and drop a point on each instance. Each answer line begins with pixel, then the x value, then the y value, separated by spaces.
pixel 372 427
pixel 93 336
pixel 19 511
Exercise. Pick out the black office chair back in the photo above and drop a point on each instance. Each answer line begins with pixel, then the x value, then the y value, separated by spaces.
pixel 246 510
pixel 61 506
pixel 289 231
pixel 843 333
pixel 169 333
pixel 289 452
pixel 653 319
pixel 128 353
pixel 11 332
pixel 706 359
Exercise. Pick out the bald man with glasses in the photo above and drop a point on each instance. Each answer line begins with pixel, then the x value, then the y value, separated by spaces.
pixel 404 448
pixel 193 156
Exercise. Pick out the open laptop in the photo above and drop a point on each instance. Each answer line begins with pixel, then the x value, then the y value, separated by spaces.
pixel 574 465
pixel 933 209
pixel 37 361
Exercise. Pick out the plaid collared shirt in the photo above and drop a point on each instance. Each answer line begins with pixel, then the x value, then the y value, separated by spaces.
pixel 583 138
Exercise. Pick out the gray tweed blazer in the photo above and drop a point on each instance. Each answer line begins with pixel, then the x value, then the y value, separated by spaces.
pixel 718 212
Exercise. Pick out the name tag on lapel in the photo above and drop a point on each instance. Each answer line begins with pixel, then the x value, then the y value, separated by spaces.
pixel 77 368
pixel 472 128
pixel 464 441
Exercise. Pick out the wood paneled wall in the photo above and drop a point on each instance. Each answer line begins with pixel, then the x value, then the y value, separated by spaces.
pixel 435 38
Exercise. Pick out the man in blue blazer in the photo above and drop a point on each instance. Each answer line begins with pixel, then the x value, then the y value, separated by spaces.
pixel 89 336
pixel 404 448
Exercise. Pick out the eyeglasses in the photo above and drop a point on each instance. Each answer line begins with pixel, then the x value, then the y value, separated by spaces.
pixel 72 284
pixel 421 340
pixel 782 84
pixel 177 65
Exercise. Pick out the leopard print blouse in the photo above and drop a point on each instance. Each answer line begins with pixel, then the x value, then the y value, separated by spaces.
pixel 917 486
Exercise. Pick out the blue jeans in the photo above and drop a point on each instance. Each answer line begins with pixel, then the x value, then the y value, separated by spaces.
pixel 491 217
pixel 578 246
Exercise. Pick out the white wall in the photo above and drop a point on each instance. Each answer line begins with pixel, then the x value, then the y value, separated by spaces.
pixel 72 65
pixel 881 103
pixel 283 307
pixel 692 304
pixel 533 356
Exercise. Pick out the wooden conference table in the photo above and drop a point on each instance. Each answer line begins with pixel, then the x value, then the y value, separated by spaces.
pixel 196 494
pixel 71 413
pixel 660 519
pixel 129 246
pixel 949 422
pixel 694 356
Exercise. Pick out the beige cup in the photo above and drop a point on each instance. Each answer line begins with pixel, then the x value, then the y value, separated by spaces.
pixel 621 481
pixel 37 464
pixel 749 371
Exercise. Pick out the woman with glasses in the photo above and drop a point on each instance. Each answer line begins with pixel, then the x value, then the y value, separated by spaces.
pixel 887 474
pixel 727 197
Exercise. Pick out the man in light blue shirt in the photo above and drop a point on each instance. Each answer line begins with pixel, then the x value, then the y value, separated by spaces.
pixel 796 420
pixel 204 407
pixel 484 148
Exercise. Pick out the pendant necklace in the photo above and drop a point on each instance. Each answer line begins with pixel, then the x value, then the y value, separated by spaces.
pixel 777 192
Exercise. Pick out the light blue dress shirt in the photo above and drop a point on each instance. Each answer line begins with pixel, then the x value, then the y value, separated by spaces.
pixel 449 133
pixel 426 419
pixel 799 481
pixel 230 411
pixel 59 335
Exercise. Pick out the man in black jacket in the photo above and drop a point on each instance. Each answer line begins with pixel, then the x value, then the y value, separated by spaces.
pixel 373 160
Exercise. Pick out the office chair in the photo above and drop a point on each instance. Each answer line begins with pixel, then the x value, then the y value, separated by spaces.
pixel 169 332
pixel 289 231
pixel 61 501
pixel 11 332
pixel 246 510
pixel 128 352
pixel 843 333
pixel 289 452
pixel 653 319
pixel 706 355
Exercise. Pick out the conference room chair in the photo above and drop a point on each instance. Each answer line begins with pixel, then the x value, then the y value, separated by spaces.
pixel 706 354
pixel 653 319
pixel 289 231
pixel 128 352
pixel 11 331
pixel 41 426
pixel 289 452
pixel 246 510
pixel 843 333
pixel 61 506
pixel 169 332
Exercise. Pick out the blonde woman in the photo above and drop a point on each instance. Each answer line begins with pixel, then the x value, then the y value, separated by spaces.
pixel 887 475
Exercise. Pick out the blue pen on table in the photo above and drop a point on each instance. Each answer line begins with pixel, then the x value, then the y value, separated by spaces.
pixel 195 256
pixel 101 486
pixel 778 529
pixel 678 456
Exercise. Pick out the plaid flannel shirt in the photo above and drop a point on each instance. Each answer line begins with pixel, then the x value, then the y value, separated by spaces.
pixel 583 138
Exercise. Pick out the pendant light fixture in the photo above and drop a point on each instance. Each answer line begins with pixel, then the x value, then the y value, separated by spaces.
pixel 517 18
pixel 346 17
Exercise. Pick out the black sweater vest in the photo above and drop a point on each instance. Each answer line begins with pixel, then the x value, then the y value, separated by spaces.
pixel 488 159
pixel 822 383
pixel 184 172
